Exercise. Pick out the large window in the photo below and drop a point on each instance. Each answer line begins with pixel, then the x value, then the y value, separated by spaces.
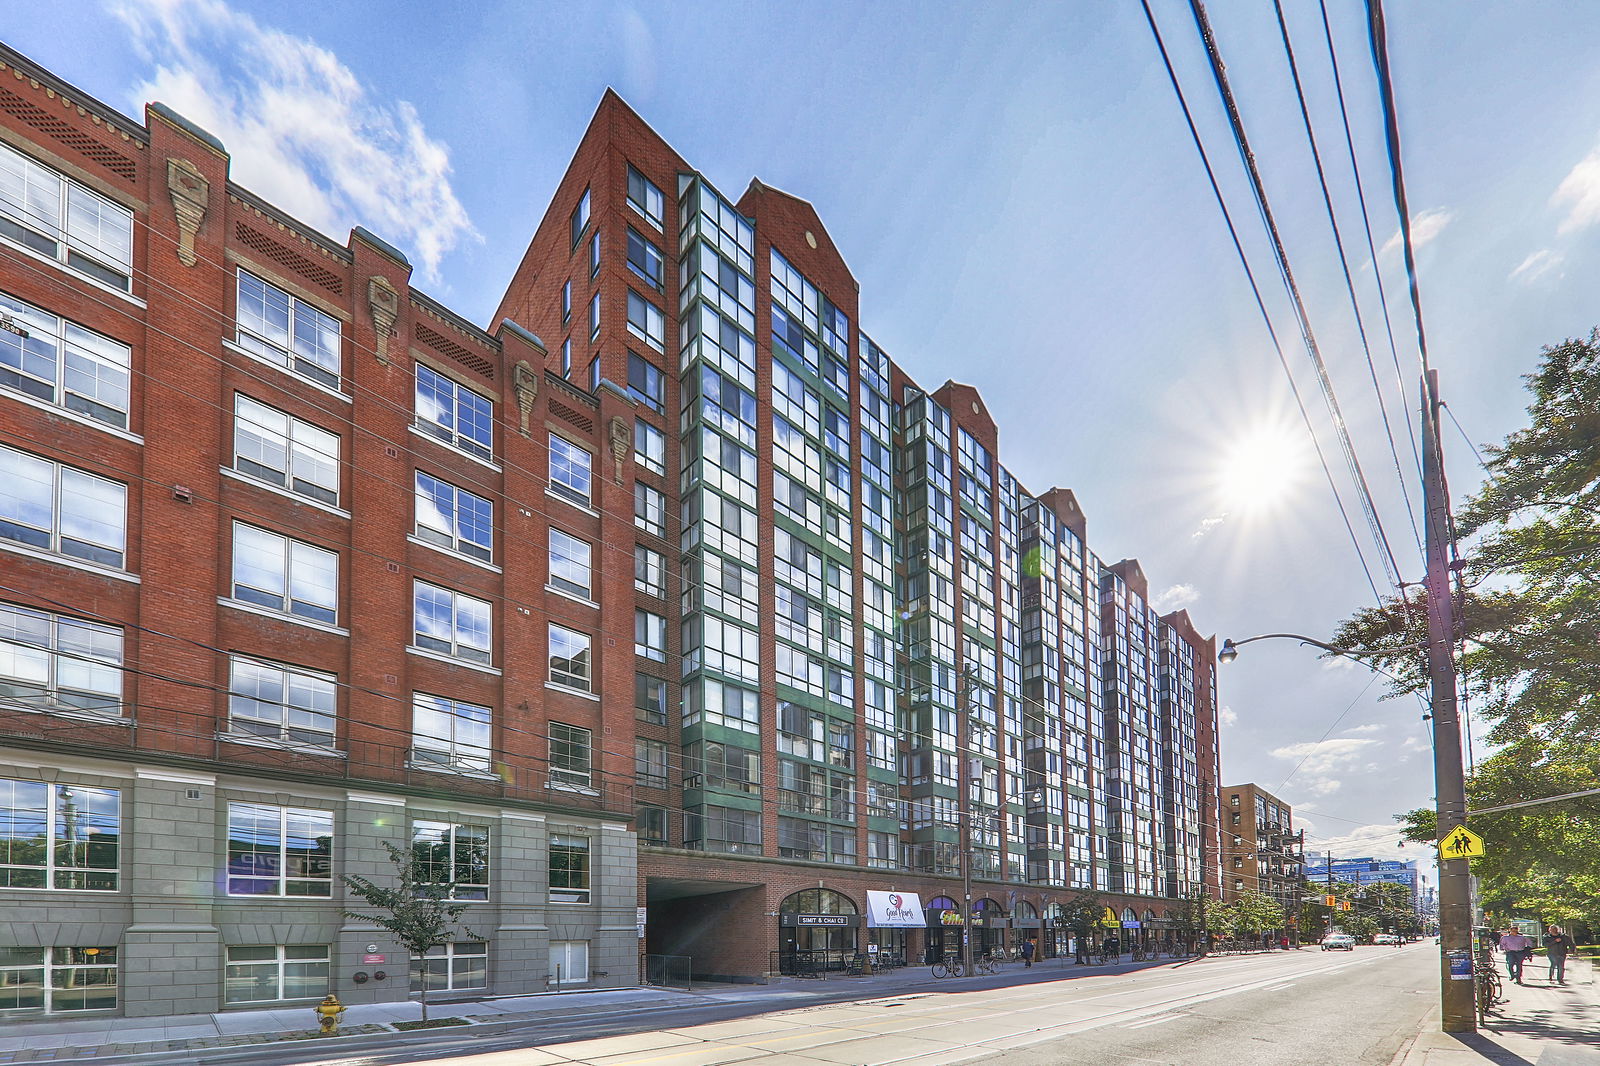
pixel 453 518
pixel 569 868
pixel 62 363
pixel 269 973
pixel 59 218
pixel 570 470
pixel 723 829
pixel 644 259
pixel 651 823
pixel 570 663
pixel 59 836
pixel 450 733
pixel 283 574
pixel 454 855
pixel 279 851
pixel 645 383
pixel 452 623
pixel 650 699
pixel 570 563
pixel 644 197
pixel 569 962
pixel 571 755
pixel 650 763
pixel 282 703
pixel 51 662
pixel 594 316
pixel 649 447
pixel 59 509
pixel 646 322
pixel 649 509
pixel 649 571
pixel 649 635
pixel 58 979
pixel 454 414
pixel 453 967
pixel 281 450
pixel 287 331
pixel 580 217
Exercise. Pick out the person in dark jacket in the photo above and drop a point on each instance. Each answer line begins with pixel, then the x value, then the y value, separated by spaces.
pixel 1557 945
pixel 1027 953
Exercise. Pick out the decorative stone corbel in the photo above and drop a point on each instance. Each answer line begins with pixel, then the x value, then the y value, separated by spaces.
pixel 191 195
pixel 383 300
pixel 525 386
pixel 620 443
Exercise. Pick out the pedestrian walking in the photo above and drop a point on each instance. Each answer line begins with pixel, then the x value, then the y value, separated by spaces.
pixel 1027 953
pixel 1111 947
pixel 1556 947
pixel 1516 947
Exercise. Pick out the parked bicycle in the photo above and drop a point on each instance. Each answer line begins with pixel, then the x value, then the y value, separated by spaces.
pixel 1138 953
pixel 948 967
pixel 1486 982
pixel 987 964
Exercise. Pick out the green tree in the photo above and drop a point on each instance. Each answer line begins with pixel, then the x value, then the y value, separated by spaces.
pixel 1529 621
pixel 417 910
pixel 1256 914
pixel 1081 913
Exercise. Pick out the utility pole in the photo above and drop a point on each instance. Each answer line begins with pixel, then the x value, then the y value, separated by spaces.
pixel 1449 784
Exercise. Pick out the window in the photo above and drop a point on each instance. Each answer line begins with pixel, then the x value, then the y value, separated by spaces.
pixel 287 331
pixel 454 414
pixel 645 321
pixel 580 217
pixel 649 446
pixel 279 851
pixel 570 470
pixel 594 373
pixel 569 868
pixel 58 979
pixel 271 972
pixel 59 509
pixel 571 755
pixel 51 662
pixel 594 316
pixel 566 358
pixel 453 518
pixel 452 623
pixel 569 962
pixel 58 837
pixel 566 301
pixel 282 574
pixel 452 967
pixel 651 823
pixel 61 219
pixel 650 699
pixel 570 665
pixel 644 197
pixel 649 571
pixel 282 703
pixel 644 259
pixel 649 509
pixel 450 733
pixel 61 363
pixel 650 763
pixel 281 450
pixel 644 383
pixel 650 635
pixel 723 829
pixel 454 855
pixel 570 563
pixel 594 254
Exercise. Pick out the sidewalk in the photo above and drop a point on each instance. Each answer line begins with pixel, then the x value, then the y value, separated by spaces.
pixel 1541 1023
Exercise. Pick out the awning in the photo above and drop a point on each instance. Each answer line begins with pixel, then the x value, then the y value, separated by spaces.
pixel 894 910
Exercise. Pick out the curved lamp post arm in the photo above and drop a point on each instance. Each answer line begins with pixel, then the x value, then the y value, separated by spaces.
pixel 1230 650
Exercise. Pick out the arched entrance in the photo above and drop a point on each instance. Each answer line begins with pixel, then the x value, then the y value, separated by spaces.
pixel 1025 926
pixel 944 929
pixel 1057 939
pixel 988 927
pixel 1148 932
pixel 816 930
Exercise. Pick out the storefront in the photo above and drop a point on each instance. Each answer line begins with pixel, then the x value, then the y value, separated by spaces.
pixel 816 929
pixel 944 929
pixel 1057 940
pixel 988 927
pixel 889 917
pixel 1025 926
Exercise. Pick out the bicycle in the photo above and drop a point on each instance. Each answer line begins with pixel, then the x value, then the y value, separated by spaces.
pixel 1138 954
pixel 987 964
pixel 950 967
pixel 1486 982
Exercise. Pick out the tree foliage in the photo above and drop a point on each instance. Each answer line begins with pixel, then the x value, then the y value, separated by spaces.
pixel 1528 616
pixel 1255 914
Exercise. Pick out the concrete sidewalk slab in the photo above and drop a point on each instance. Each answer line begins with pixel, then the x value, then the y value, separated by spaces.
pixel 1539 1024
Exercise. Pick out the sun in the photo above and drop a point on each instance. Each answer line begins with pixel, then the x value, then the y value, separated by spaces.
pixel 1262 470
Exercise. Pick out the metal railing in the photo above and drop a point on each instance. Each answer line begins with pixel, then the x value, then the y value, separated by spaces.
pixel 669 971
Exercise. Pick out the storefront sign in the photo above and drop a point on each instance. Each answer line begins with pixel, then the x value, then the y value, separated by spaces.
pixel 372 960
pixel 894 910
pixel 840 920
pixel 1026 923
pixel 950 918
pixel 1130 925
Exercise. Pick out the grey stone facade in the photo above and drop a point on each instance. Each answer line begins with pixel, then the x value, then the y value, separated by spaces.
pixel 171 919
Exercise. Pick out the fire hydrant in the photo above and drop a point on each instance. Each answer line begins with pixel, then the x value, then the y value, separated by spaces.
pixel 328 1012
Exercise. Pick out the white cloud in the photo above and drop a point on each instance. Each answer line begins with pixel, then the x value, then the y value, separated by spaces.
pixel 1321 765
pixel 1579 194
pixel 1369 728
pixel 1207 525
pixel 1228 716
pixel 303 130
pixel 1174 597
pixel 1425 226
pixel 1538 265
pixel 1380 841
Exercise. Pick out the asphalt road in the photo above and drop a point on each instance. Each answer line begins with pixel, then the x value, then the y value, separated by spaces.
pixel 1307 1008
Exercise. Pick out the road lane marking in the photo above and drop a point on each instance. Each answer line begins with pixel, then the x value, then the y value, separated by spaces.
pixel 1152 1021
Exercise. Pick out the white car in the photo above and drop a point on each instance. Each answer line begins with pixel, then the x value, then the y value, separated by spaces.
pixel 1386 938
pixel 1338 942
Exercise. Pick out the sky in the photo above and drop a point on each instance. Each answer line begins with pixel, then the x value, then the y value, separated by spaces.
pixel 1014 188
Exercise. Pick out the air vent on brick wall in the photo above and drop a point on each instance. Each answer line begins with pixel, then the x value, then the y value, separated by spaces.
pixel 449 348
pixel 561 410
pixel 261 244
pixel 61 130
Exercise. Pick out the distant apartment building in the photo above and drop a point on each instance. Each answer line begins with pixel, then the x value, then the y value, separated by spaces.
pixel 687 633
pixel 1368 871
pixel 1261 849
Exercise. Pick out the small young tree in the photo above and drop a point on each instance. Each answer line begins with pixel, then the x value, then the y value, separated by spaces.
pixel 418 911
pixel 1082 913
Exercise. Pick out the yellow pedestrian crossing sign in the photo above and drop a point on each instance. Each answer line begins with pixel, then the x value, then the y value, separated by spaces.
pixel 1462 843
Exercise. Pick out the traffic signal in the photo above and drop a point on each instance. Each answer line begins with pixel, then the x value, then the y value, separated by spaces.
pixel 1345 905
pixel 1330 901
